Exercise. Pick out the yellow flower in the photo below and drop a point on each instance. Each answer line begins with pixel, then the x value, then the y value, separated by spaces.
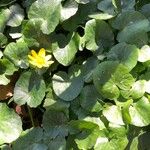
pixel 40 59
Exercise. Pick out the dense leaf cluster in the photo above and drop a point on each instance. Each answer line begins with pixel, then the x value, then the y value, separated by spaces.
pixel 96 94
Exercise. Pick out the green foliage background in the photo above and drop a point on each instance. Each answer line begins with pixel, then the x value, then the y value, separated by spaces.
pixel 96 95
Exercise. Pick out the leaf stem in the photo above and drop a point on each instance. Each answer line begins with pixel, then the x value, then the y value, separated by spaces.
pixel 31 116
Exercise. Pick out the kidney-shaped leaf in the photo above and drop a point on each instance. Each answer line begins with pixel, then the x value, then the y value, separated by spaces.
pixel 135 33
pixel 17 53
pixel 67 86
pixel 144 54
pixel 113 114
pixel 69 9
pixel 30 89
pixel 89 99
pixel 28 139
pixel 127 17
pixel 140 112
pixel 16 16
pixel 48 12
pixel 6 2
pixel 102 79
pixel 98 33
pixel 66 54
pixel 124 53
pixel 10 126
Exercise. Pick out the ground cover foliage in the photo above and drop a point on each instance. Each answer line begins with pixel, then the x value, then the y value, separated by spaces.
pixel 95 94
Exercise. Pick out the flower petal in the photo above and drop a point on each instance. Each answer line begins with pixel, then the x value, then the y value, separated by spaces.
pixel 42 52
pixel 50 62
pixel 48 57
pixel 33 63
pixel 39 65
pixel 34 54
pixel 31 57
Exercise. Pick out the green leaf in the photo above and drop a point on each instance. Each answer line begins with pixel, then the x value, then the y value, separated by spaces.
pixel 134 144
pixel 89 98
pixel 138 89
pixel 109 76
pixel 144 54
pixel 1 54
pixel 6 2
pixel 17 53
pixel 113 114
pixel 143 140
pixel 82 1
pixel 34 37
pixel 28 139
pixel 12 16
pixel 16 16
pixel 2 67
pixel 126 18
pixel 11 125
pixel 117 4
pixel 124 53
pixel 145 10
pixel 4 80
pixel 122 78
pixel 53 102
pixel 135 33
pixel 107 7
pixel 30 89
pixel 10 68
pixel 87 68
pixel 128 4
pixel 49 19
pixel 54 123
pixel 68 86
pixel 37 146
pixel 5 147
pixel 146 78
pixel 102 143
pixel 87 133
pixel 98 34
pixel 114 139
pixel 140 112
pixel 76 126
pixel 81 16
pixel 101 16
pixel 86 139
pixel 3 40
pixel 119 143
pixel 4 16
pixel 76 110
pixel 57 144
pixel 7 69
pixel 66 54
pixel 102 79
pixel 69 9
pixel 97 121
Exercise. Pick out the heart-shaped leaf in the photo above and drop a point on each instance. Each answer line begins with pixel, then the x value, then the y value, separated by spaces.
pixel 30 89
pixel 113 114
pixel 28 139
pixel 135 33
pixel 66 55
pixel 140 112
pixel 89 99
pixel 10 126
pixel 48 12
pixel 125 54
pixel 17 53
pixel 68 86
pixel 98 34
